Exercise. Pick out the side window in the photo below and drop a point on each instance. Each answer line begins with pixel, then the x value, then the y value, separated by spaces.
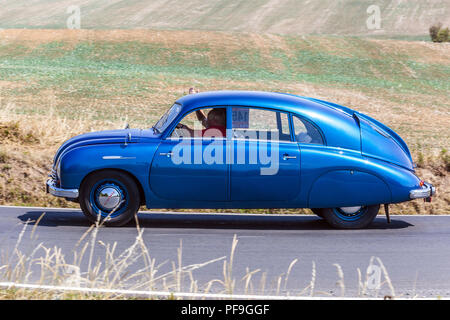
pixel 260 124
pixel 305 132
pixel 208 122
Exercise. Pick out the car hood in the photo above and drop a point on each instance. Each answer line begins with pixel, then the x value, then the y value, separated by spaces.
pixel 101 137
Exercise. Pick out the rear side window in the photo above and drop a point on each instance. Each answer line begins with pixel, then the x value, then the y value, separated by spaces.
pixel 306 132
pixel 260 124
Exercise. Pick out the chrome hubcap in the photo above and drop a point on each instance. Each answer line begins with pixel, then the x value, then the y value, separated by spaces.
pixel 109 197
pixel 350 210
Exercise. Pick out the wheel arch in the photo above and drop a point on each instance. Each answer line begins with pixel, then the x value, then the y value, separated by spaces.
pixel 331 189
pixel 136 181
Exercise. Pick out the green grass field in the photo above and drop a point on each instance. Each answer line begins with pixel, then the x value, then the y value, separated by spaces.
pixel 103 69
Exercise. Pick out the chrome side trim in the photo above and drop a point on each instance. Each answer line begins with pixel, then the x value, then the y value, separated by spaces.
pixel 426 191
pixel 116 157
pixel 58 192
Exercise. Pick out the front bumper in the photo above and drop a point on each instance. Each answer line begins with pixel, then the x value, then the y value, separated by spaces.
pixel 58 192
pixel 426 192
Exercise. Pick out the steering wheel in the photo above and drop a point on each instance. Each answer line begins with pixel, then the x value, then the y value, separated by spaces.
pixel 180 131
pixel 175 132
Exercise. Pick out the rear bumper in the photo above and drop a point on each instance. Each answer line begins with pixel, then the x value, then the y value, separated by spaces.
pixel 426 191
pixel 59 192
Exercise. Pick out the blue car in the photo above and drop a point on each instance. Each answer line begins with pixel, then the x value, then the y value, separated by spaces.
pixel 241 149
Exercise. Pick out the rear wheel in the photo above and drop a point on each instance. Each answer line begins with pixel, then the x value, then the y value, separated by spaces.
pixel 350 217
pixel 109 196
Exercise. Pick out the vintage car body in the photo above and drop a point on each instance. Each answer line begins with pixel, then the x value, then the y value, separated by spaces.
pixel 358 164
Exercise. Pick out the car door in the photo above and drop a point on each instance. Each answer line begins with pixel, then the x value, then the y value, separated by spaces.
pixel 265 162
pixel 190 165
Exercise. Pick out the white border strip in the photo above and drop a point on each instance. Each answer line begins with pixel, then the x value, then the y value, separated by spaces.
pixel 167 294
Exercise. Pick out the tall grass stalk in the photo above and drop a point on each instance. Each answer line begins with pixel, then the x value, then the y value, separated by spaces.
pixel 48 266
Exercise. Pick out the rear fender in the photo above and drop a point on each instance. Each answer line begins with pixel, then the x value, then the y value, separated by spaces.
pixel 345 188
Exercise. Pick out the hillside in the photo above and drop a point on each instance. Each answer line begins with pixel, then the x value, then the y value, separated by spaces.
pixel 58 83
pixel 345 17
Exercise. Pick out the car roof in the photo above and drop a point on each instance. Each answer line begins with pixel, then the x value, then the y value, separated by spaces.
pixel 335 121
pixel 281 101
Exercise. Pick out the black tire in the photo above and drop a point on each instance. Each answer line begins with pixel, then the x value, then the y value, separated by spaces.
pixel 94 191
pixel 337 219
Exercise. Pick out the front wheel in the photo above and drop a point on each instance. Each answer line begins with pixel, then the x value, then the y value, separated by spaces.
pixel 109 196
pixel 350 217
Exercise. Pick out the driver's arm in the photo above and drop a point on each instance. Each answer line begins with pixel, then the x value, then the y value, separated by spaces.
pixel 201 117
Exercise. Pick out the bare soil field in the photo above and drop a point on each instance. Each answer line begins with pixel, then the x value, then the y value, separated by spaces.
pixel 410 18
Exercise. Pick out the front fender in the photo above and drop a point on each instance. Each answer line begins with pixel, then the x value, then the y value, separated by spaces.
pixel 134 158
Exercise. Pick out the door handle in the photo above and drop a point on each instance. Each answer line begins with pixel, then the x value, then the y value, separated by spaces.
pixel 286 157
pixel 167 154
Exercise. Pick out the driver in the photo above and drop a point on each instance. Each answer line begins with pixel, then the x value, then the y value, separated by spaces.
pixel 214 123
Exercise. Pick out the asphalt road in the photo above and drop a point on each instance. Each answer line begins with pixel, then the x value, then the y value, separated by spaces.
pixel 415 250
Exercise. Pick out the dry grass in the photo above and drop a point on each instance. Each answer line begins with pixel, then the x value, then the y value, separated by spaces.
pixel 26 153
pixel 110 271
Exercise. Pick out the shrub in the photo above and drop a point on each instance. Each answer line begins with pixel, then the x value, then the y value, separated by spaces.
pixel 12 132
pixel 442 35
pixel 438 34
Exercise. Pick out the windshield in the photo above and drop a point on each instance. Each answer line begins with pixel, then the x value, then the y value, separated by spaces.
pixel 167 118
